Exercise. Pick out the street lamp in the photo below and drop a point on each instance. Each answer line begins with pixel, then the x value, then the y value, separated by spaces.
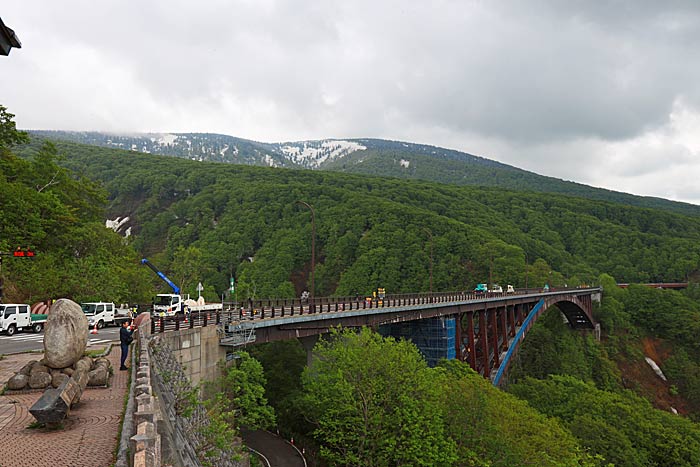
pixel 526 269
pixel 313 248
pixel 430 236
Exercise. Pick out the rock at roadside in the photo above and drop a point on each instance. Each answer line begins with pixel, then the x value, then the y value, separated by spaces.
pixel 17 382
pixel 39 380
pixel 98 377
pixel 37 367
pixel 66 334
pixel 27 369
pixel 58 378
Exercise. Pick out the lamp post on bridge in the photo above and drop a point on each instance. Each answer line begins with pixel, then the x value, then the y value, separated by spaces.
pixel 313 248
pixel 430 237
pixel 526 270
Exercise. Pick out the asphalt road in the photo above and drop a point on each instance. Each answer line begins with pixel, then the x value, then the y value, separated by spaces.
pixel 276 450
pixel 29 341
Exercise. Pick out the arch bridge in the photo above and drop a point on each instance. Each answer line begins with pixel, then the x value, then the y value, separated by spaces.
pixel 484 330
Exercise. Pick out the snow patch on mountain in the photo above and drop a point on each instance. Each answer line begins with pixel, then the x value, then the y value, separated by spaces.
pixel 312 154
pixel 117 224
pixel 162 139
pixel 656 368
pixel 166 139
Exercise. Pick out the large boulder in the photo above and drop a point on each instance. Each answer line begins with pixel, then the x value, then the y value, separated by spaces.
pixel 66 334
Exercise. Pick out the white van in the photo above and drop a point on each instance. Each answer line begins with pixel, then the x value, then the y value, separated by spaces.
pixel 99 313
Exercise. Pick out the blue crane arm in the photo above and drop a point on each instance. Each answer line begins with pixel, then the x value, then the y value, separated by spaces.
pixel 175 288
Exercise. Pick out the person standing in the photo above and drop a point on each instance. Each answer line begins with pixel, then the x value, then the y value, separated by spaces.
pixel 125 339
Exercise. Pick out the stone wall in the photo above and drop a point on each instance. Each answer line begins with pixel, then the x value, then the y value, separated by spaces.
pixel 140 431
pixel 149 430
pixel 198 351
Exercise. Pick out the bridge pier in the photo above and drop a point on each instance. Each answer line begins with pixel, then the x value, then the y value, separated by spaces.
pixel 308 342
pixel 484 340
pixel 470 339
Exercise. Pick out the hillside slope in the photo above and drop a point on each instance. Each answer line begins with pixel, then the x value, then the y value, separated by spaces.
pixel 371 231
pixel 362 156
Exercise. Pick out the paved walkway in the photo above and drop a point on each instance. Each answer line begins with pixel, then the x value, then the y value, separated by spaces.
pixel 89 434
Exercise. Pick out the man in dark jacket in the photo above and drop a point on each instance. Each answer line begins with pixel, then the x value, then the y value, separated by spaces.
pixel 125 339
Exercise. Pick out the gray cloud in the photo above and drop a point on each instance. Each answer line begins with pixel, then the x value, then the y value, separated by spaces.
pixel 596 92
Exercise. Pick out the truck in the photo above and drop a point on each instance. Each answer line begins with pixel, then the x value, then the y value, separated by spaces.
pixel 18 317
pixel 169 305
pixel 481 288
pixel 103 314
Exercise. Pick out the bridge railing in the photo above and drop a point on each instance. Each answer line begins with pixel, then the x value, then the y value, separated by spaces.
pixel 289 307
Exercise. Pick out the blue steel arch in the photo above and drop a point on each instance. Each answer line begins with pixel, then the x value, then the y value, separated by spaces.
pixel 577 312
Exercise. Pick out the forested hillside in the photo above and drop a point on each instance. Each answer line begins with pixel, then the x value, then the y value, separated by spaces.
pixel 373 157
pixel 60 216
pixel 589 401
pixel 374 231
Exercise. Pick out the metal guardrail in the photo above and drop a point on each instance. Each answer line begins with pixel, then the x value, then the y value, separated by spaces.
pixel 237 314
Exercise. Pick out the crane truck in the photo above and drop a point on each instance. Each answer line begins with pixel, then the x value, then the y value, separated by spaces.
pixel 169 305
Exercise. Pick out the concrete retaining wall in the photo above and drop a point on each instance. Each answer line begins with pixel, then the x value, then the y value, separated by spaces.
pixel 198 351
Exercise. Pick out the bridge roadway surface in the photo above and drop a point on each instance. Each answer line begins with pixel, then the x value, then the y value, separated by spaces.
pixel 271 313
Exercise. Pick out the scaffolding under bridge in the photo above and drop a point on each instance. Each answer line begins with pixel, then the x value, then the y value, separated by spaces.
pixel 237 334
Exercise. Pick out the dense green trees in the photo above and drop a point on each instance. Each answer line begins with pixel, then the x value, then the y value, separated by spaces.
pixel 371 231
pixel 374 402
pixel 60 215
pixel 240 393
pixel 620 426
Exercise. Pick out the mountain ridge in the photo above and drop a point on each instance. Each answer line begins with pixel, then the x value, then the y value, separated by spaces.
pixel 371 156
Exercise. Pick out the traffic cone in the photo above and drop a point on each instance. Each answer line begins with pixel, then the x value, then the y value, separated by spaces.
pixel 94 329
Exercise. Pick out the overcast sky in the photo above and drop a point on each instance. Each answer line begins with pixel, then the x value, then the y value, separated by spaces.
pixel 602 93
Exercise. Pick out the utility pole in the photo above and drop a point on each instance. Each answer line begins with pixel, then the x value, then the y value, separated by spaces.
pixel 313 249
pixel 526 270
pixel 430 237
